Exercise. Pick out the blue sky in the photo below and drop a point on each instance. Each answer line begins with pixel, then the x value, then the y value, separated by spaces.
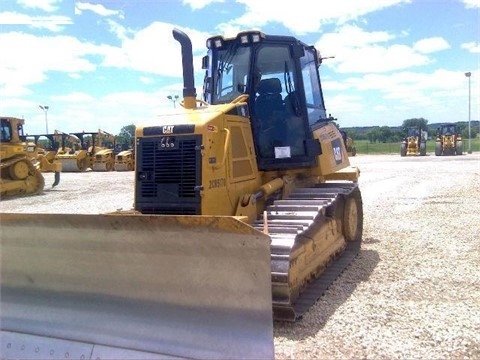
pixel 107 64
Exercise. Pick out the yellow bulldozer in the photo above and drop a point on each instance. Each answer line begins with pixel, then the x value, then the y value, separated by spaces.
pixel 414 143
pixel 245 210
pixel 349 143
pixel 21 164
pixel 448 140
pixel 104 157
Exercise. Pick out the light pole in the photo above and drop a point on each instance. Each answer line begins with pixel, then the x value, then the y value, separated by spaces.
pixel 468 74
pixel 173 98
pixel 45 109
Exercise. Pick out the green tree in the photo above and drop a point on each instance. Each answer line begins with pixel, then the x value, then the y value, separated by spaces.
pixel 415 122
pixel 384 134
pixel 127 135
pixel 473 131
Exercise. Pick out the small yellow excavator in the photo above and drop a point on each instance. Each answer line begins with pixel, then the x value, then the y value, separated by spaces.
pixel 245 210
pixel 21 164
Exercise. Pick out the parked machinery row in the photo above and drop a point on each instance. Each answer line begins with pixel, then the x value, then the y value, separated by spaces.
pixel 80 151
pixel 448 141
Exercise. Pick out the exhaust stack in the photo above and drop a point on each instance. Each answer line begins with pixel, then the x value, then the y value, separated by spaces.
pixel 189 91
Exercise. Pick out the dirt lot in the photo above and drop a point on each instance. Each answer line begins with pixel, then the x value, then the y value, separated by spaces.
pixel 414 289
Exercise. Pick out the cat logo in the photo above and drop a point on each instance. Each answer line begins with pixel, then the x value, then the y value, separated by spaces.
pixel 168 129
pixel 337 151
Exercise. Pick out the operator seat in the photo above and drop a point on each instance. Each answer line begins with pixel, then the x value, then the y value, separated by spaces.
pixel 270 113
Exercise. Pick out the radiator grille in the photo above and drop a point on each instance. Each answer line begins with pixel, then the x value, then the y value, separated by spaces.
pixel 168 176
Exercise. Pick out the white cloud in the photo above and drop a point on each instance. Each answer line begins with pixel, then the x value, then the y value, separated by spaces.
pixel 200 4
pixel 438 96
pixel 429 45
pixel 154 50
pixel 471 3
pixel 98 9
pixel 356 50
pixel 45 5
pixel 473 47
pixel 50 53
pixel 301 18
pixel 119 30
pixel 53 22
pixel 146 80
pixel 74 97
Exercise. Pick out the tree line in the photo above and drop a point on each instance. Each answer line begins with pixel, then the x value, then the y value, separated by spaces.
pixel 376 134
pixel 387 134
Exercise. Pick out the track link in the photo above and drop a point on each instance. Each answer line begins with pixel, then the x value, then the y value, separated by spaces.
pixel 308 251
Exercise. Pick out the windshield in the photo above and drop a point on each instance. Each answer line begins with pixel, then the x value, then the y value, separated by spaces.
pixel 230 74
pixel 449 130
pixel 413 132
pixel 5 131
pixel 313 91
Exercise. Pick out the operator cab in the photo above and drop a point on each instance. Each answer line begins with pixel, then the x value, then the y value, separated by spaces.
pixel 8 132
pixel 280 75
pixel 413 132
pixel 449 129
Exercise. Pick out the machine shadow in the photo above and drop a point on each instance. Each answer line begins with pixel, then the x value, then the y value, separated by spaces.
pixel 363 266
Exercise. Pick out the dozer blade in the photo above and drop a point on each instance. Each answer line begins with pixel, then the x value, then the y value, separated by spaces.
pixel 56 180
pixel 134 286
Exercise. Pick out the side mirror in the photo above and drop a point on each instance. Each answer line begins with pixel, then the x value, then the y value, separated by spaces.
pixel 205 62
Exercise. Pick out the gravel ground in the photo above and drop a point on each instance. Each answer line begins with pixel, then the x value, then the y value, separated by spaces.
pixel 412 293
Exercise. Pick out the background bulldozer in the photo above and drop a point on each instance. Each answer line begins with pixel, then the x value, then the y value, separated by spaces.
pixel 246 209
pixel 448 140
pixel 414 143
pixel 349 143
pixel 21 165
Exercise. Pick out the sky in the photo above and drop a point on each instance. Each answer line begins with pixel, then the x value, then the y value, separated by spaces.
pixel 108 64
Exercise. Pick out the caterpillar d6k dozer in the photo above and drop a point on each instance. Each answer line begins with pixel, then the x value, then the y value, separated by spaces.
pixel 21 165
pixel 448 141
pixel 246 209
pixel 414 143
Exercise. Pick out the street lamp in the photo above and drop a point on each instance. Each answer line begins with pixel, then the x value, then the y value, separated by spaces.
pixel 173 98
pixel 45 109
pixel 468 74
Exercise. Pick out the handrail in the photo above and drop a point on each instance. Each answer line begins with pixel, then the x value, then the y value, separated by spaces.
pixel 225 149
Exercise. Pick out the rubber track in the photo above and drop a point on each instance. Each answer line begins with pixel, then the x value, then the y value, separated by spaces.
pixel 326 194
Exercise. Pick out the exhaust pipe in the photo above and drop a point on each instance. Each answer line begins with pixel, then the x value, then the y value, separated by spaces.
pixel 189 91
